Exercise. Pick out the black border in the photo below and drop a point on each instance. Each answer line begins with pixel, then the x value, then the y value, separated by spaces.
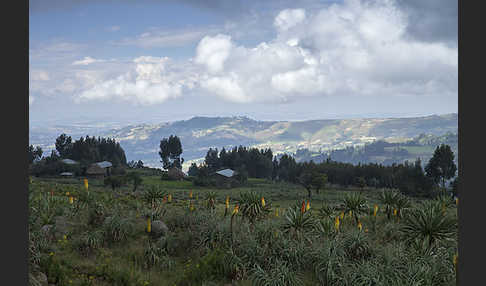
pixel 15 116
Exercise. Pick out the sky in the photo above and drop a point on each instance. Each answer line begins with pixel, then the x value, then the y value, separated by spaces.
pixel 150 61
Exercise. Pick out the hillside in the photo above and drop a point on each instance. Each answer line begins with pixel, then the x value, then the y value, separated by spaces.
pixel 198 134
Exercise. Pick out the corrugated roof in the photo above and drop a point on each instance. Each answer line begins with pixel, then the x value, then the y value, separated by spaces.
pixel 104 164
pixel 226 172
pixel 66 174
pixel 69 161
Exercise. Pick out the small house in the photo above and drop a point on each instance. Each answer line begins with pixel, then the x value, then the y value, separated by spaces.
pixel 99 170
pixel 69 162
pixel 66 174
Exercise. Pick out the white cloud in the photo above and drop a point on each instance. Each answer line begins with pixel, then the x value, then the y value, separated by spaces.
pixel 149 80
pixel 31 99
pixel 86 61
pixel 213 51
pixel 39 75
pixel 288 18
pixel 350 48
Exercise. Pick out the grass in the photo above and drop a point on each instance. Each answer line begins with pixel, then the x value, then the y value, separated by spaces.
pixel 106 242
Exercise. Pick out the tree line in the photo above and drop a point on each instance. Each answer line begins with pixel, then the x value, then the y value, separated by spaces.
pixel 410 178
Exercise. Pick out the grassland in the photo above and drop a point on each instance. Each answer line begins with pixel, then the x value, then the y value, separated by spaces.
pixel 102 239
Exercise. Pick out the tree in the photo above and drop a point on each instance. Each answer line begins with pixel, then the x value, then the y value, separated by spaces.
pixel 441 166
pixel 170 152
pixel 139 164
pixel 455 186
pixel 193 170
pixel 136 179
pixel 319 181
pixel 35 154
pixel 64 145
pixel 361 182
pixel 305 179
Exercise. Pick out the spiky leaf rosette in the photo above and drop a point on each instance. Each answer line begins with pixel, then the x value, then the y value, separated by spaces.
pixel 429 224
pixel 251 207
pixel 356 204
pixel 297 222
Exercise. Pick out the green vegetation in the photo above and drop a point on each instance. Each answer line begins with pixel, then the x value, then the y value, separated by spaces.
pixel 102 239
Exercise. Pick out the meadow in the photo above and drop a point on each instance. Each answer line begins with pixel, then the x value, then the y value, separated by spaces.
pixel 91 235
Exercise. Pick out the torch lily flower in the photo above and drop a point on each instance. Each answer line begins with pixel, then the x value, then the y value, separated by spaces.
pixel 191 207
pixel 360 226
pixel 149 225
pixel 302 208
pixel 227 202
pixel 169 199
pixel 71 199
pixel 307 207
pixel 263 201
pixel 375 210
pixel 454 260
pixel 190 194
pixel 395 212
pixel 67 193
pixel 342 215
pixel 235 210
pixel 276 212
pixel 164 199
pixel 336 223
pixel 86 184
pixel 350 213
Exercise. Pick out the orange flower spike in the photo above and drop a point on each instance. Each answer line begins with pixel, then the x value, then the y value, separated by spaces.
pixel 227 202
pixel 375 210
pixel 71 199
pixel 302 208
pixel 190 194
pixel 86 184
pixel 263 202
pixel 165 199
pixel 394 212
pixel 307 207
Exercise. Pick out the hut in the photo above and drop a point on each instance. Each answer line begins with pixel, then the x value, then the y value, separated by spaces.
pixel 225 177
pixel 66 174
pixel 99 170
pixel 69 162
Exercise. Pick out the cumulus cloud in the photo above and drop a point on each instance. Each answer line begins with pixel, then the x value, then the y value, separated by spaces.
pixel 39 75
pixel 350 48
pixel 149 80
pixel 288 18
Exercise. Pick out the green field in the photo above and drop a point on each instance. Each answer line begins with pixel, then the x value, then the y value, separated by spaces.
pixel 101 238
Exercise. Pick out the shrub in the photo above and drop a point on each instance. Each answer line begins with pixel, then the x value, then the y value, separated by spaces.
pixel 280 274
pixel 116 228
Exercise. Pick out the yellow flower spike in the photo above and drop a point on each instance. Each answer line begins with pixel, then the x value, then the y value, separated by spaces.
pixel 169 199
pixel 64 237
pixel 276 212
pixel 71 200
pixel 67 193
pixel 457 201
pixel 263 201
pixel 375 210
pixel 227 202
pixel 336 223
pixel 360 226
pixel 350 213
pixel 307 207
pixel 190 194
pixel 149 225
pixel 86 184
pixel 342 215
pixel 454 260
pixel 394 212
pixel 235 210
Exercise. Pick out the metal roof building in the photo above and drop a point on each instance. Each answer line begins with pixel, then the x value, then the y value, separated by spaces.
pixel 69 161
pixel 226 172
pixel 104 164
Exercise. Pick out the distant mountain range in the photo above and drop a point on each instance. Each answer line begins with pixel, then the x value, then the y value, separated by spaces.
pixel 198 134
